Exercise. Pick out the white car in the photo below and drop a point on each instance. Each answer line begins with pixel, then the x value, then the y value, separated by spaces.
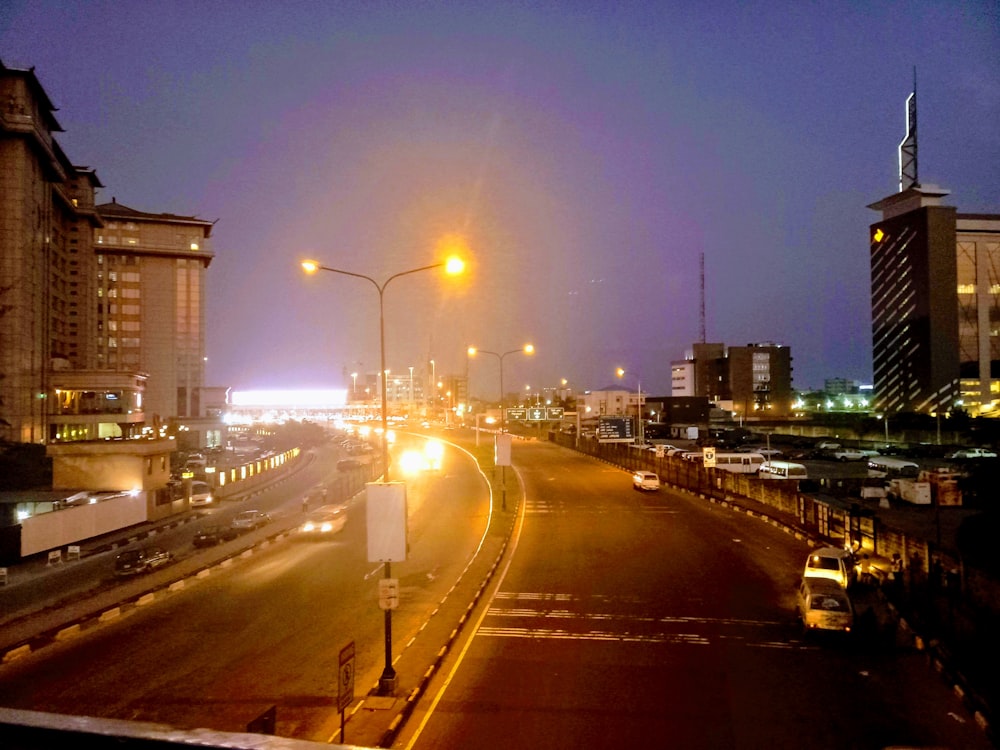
pixel 324 521
pixel 645 480
pixel 248 520
pixel 830 562
pixel 972 453
pixel 850 454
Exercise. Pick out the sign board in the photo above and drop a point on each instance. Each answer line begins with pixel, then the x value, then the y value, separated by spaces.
pixel 388 593
pixel 501 449
pixel 554 412
pixel 517 413
pixel 615 430
pixel 708 457
pixel 536 414
pixel 661 451
pixel 386 511
pixel 345 678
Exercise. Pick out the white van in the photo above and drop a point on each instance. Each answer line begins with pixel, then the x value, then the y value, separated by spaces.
pixel 201 494
pixel 892 468
pixel 782 470
pixel 831 563
pixel 824 605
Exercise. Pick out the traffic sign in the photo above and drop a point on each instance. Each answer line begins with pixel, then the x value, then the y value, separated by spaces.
pixel 615 430
pixel 517 413
pixel 388 593
pixel 345 681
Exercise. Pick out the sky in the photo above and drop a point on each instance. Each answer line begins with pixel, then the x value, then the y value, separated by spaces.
pixel 588 158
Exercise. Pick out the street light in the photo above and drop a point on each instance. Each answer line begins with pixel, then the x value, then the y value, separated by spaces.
pixel 526 349
pixel 641 435
pixel 453 266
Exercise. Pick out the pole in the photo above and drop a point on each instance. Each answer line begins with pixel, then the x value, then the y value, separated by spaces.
pixel 503 430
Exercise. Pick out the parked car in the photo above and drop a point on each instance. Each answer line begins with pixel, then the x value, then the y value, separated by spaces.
pixel 324 522
pixel 964 453
pixel 645 480
pixel 141 560
pixel 348 464
pixel 833 563
pixel 248 520
pixel 852 454
pixel 209 536
pixel 824 605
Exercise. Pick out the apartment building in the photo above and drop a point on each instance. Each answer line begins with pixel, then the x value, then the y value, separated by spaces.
pixel 101 307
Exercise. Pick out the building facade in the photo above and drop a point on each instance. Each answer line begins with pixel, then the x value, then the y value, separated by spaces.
pixel 935 290
pixel 47 219
pixel 151 304
pixel 101 307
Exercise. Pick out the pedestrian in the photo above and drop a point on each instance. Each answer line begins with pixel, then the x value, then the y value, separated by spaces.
pixel 896 574
pixel 866 570
pixel 305 504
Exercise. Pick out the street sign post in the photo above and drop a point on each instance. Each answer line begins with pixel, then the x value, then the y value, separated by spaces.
pixel 345 683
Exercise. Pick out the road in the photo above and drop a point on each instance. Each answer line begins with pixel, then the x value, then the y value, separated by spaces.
pixel 659 620
pixel 267 631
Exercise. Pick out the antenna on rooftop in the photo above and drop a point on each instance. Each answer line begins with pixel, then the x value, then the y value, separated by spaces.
pixel 702 260
pixel 908 146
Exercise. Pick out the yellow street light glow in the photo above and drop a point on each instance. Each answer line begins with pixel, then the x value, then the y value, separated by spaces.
pixel 454 265
pixel 310 266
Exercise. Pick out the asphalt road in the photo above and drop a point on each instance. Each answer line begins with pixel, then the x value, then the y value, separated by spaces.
pixel 267 631
pixel 659 620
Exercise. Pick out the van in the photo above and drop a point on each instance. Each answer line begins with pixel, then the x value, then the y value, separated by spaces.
pixel 824 605
pixel 782 470
pixel 831 563
pixel 201 494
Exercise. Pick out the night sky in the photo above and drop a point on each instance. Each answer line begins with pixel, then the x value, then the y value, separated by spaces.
pixel 588 155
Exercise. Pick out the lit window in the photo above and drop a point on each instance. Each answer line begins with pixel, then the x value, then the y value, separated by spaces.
pixel 194 245
pixel 966 288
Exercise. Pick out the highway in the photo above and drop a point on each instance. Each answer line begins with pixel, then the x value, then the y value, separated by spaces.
pixel 658 620
pixel 268 630
pixel 616 619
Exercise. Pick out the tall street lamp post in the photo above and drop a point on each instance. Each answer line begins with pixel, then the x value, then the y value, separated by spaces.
pixel 387 683
pixel 526 349
pixel 640 434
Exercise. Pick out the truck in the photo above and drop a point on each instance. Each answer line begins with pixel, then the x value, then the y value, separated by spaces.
pixel 910 491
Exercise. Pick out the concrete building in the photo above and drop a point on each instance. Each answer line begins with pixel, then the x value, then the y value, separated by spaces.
pixel 151 304
pixel 47 288
pixel 935 289
pixel 760 379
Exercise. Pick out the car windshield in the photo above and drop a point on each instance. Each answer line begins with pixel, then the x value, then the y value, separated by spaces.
pixel 824 563
pixel 130 556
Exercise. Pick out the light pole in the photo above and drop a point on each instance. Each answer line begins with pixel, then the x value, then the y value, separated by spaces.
pixel 640 436
pixel 526 349
pixel 454 266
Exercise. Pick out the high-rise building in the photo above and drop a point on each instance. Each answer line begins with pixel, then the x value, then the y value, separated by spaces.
pixel 46 286
pixel 101 307
pixel 151 304
pixel 760 378
pixel 935 290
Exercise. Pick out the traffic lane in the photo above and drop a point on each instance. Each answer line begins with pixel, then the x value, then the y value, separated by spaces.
pixel 663 620
pixel 266 632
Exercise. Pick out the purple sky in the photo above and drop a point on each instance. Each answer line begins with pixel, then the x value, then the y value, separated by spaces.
pixel 588 152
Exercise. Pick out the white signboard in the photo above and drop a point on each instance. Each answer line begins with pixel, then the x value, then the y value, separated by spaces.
pixel 386 511
pixel 708 456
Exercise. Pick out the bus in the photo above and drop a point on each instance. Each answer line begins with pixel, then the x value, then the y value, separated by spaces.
pixel 885 467
pixel 739 463
pixel 782 470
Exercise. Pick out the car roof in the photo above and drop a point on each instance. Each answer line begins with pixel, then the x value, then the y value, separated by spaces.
pixel 830 552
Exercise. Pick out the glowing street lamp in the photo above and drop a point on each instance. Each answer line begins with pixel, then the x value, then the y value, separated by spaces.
pixel 453 266
pixel 526 349
pixel 641 435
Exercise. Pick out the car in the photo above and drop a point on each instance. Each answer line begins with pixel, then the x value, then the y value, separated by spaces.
pixel 645 480
pixel 141 560
pixel 248 520
pixel 833 563
pixel 964 453
pixel 209 536
pixel 201 494
pixel 824 605
pixel 851 454
pixel 324 521
pixel 348 464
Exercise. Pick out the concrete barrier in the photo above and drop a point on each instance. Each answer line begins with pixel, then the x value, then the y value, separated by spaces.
pixel 73 552
pixel 16 653
pixel 70 632
pixel 55 557
pixel 145 599
pixel 111 614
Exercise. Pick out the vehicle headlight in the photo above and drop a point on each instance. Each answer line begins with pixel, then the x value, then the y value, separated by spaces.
pixel 308 526
pixel 327 526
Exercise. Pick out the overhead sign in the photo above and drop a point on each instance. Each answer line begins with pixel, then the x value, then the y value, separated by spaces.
pixel 517 413
pixel 536 414
pixel 386 517
pixel 615 430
